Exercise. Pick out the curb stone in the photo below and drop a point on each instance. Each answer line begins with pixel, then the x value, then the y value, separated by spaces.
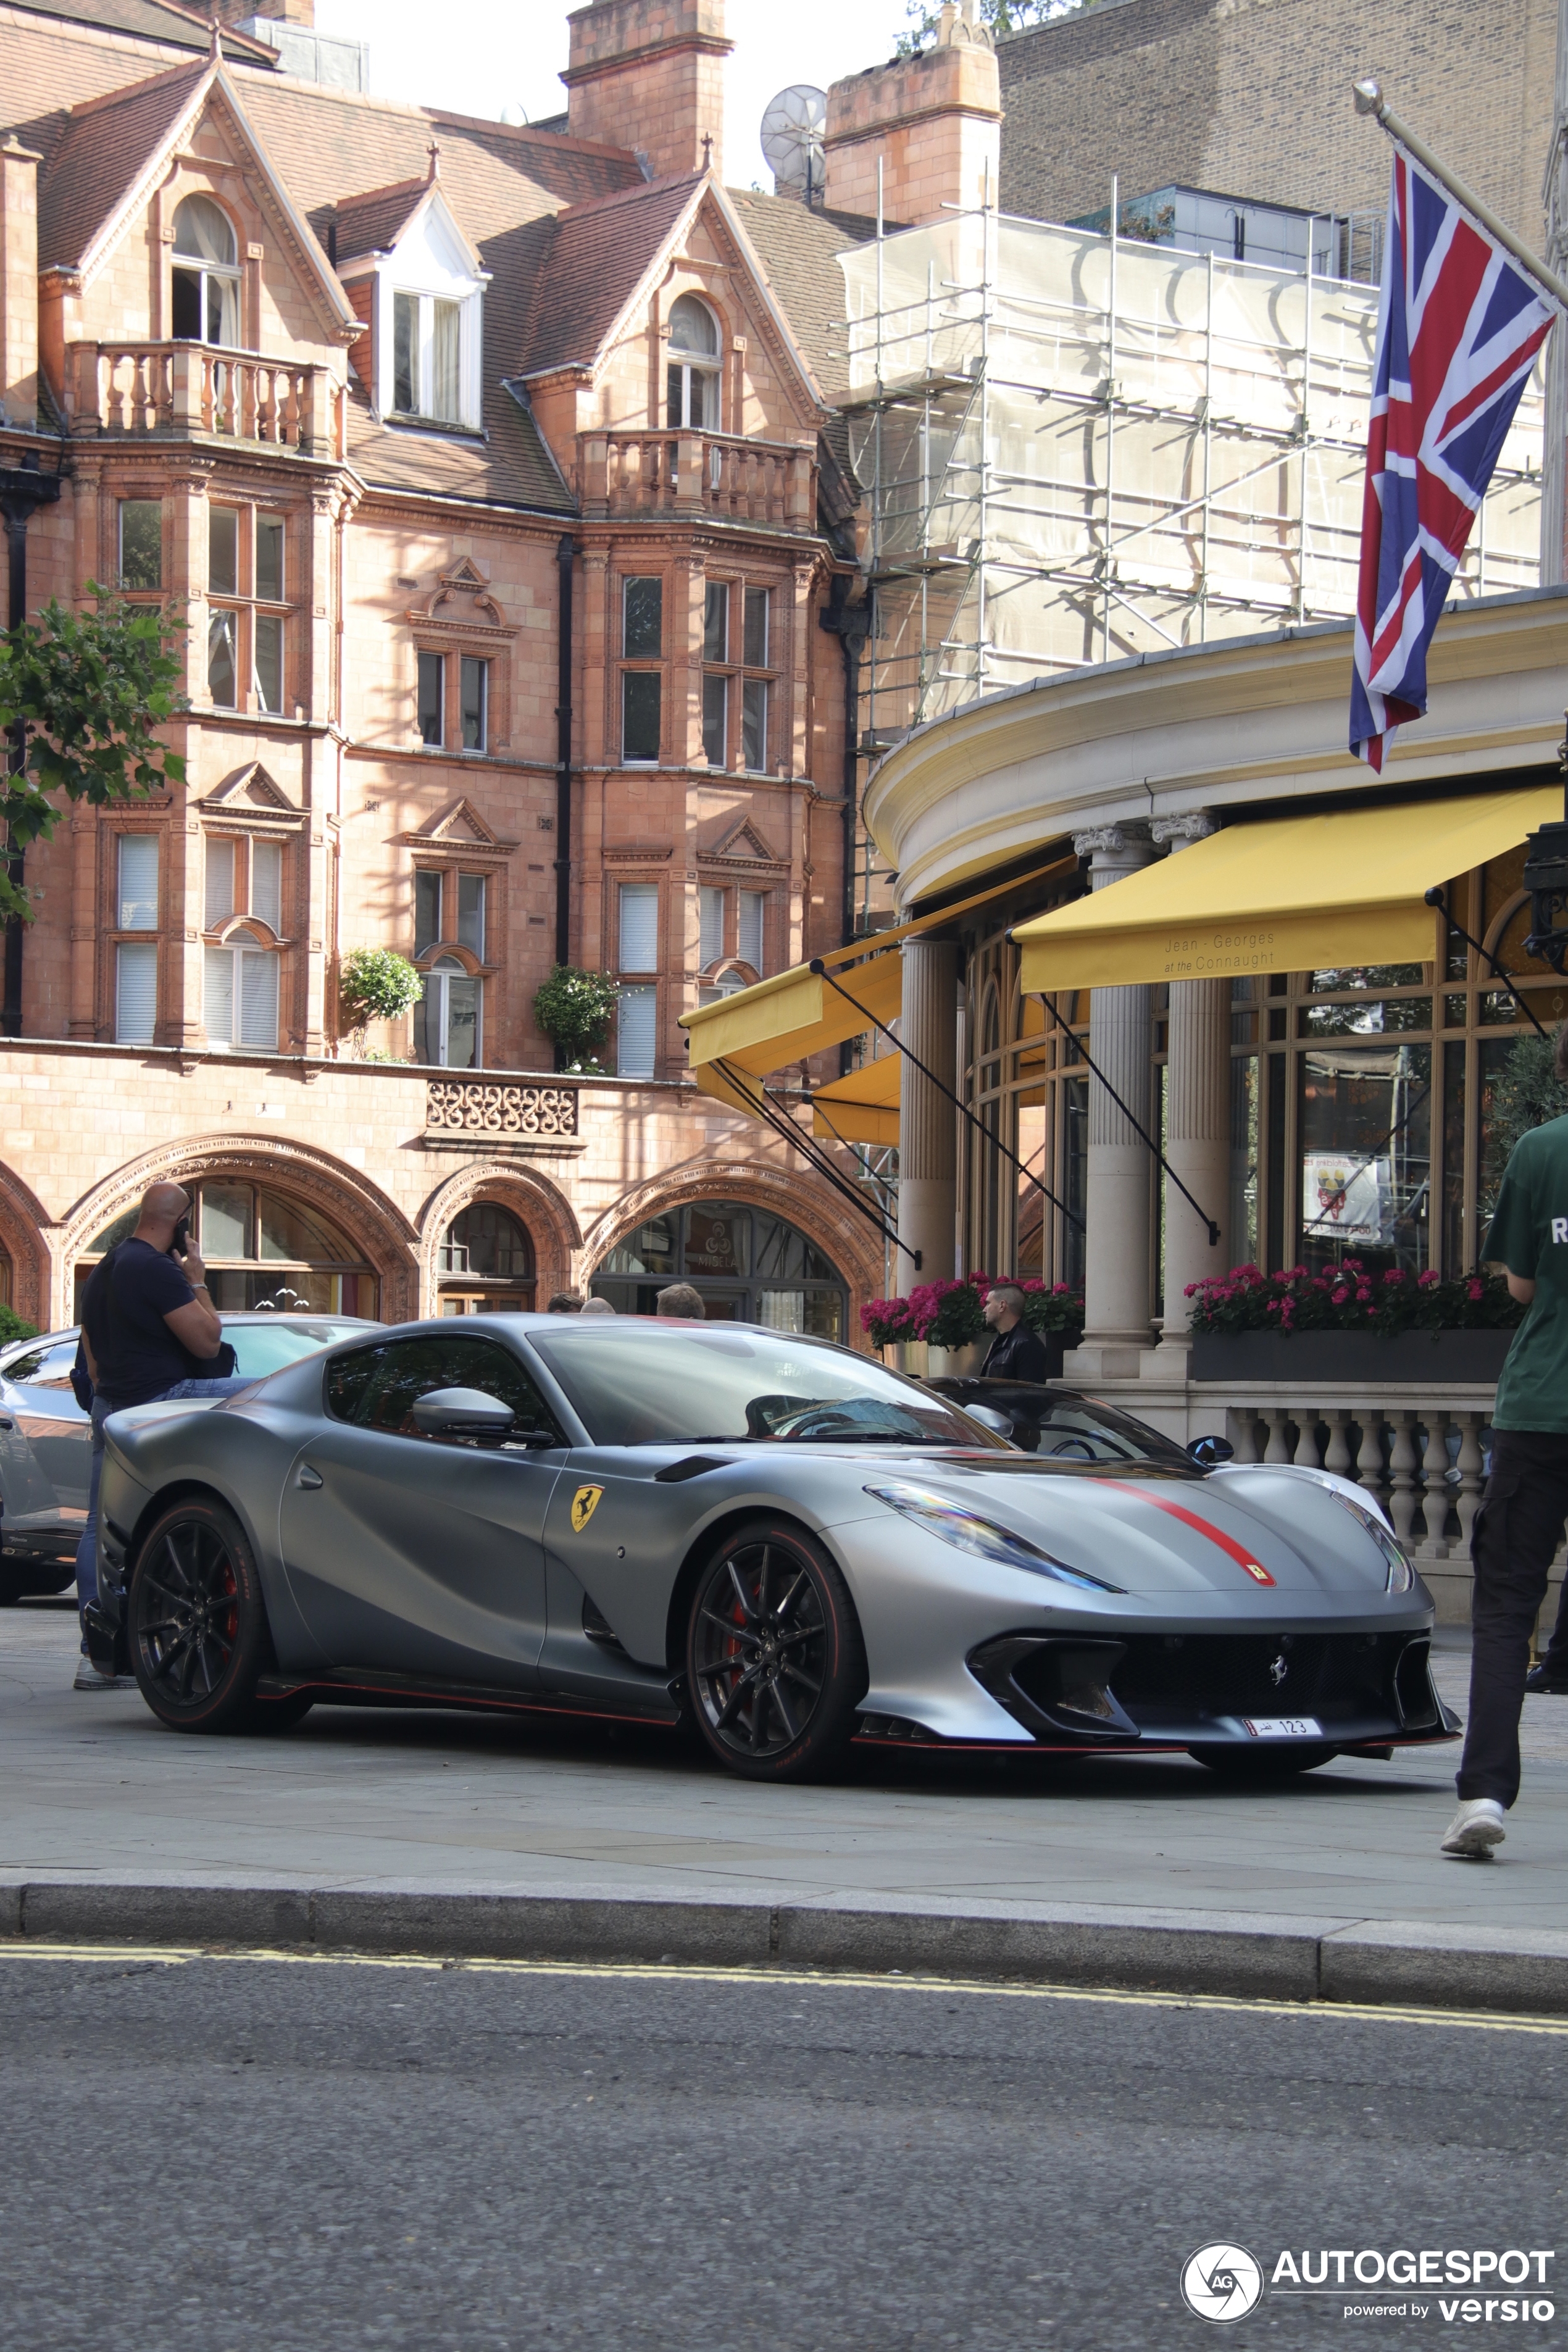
pixel 1375 1963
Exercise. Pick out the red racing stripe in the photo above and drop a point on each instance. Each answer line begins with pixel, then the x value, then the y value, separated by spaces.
pixel 1242 1558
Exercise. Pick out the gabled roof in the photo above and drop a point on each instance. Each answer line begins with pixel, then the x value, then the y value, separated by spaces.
pixel 595 257
pixel 798 246
pixel 373 223
pixel 114 149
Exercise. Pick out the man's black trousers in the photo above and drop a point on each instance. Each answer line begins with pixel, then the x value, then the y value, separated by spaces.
pixel 1518 1528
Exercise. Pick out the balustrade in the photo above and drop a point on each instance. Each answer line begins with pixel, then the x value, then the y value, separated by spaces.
pixel 721 473
pixel 180 389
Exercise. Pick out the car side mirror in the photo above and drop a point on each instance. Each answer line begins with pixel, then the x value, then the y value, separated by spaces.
pixel 461 1412
pixel 1209 1452
pixel 989 1418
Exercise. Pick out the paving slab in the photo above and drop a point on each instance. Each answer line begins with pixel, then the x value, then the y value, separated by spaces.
pixel 433 1831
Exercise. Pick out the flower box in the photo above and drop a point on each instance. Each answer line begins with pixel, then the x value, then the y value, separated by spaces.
pixel 1348 1358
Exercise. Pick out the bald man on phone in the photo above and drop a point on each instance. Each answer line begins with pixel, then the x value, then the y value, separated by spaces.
pixel 148 1327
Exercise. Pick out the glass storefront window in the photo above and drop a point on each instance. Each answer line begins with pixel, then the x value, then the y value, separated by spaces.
pixel 1365 1127
pixel 262 1249
pixel 650 1250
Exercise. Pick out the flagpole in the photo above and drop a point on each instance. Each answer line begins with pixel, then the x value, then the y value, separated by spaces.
pixel 1369 99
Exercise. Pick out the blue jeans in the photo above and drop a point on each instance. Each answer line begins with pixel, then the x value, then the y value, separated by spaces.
pixel 86 1547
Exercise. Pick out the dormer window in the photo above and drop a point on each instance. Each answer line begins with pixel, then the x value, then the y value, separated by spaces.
pixel 693 376
pixel 427 358
pixel 206 275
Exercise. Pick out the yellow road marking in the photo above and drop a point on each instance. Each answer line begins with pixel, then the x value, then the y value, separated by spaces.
pixel 820 1979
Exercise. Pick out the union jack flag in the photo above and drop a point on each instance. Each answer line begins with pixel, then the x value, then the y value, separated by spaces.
pixel 1458 328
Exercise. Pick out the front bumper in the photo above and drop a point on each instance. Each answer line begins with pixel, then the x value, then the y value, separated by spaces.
pixel 1170 1690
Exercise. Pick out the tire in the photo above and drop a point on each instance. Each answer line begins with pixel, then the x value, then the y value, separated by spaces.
pixel 1258 1767
pixel 775 1665
pixel 198 1623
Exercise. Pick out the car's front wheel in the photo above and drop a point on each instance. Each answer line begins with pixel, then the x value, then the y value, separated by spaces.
pixel 197 1622
pixel 775 1661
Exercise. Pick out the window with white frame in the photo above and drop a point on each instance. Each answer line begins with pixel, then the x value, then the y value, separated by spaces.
pixel 636 1037
pixel 206 275
pixel 246 612
pixel 638 931
pixel 138 909
pixel 447 1017
pixel 710 924
pixel 426 357
pixel 239 996
pixel 243 876
pixel 446 908
pixel 136 961
pixel 692 378
pixel 749 929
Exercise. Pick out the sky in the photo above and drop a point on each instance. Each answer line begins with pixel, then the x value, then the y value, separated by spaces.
pixel 489 58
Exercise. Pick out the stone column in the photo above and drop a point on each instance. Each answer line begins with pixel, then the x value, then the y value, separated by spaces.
pixel 1120 1166
pixel 928 1122
pixel 1198 1123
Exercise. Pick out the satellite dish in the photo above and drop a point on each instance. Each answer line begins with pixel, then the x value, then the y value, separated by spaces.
pixel 794 126
pixel 514 117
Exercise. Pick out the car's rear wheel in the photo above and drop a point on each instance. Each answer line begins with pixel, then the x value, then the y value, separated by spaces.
pixel 775 1665
pixel 197 1620
pixel 1259 1766
pixel 20 1579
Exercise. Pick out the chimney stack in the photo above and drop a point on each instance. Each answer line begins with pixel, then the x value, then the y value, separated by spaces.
pixel 933 121
pixel 649 75
pixel 19 284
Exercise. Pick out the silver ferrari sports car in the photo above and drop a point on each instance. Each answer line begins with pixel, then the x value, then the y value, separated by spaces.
pixel 764 1537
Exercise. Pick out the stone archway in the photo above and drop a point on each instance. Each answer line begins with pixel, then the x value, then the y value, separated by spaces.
pixel 801 1200
pixel 23 1226
pixel 345 1197
pixel 540 1207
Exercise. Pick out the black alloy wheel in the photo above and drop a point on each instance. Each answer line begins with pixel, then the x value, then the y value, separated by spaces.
pixel 1256 1766
pixel 198 1623
pixel 775 1661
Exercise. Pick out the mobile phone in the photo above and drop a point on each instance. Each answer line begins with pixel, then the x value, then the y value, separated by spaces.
pixel 181 1244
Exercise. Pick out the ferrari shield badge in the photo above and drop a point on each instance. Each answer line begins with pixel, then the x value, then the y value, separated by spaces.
pixel 584 1503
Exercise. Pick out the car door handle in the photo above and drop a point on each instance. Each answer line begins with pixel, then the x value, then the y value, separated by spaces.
pixel 306 1476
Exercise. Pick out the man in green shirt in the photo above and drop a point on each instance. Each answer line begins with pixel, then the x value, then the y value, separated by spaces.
pixel 1520 1524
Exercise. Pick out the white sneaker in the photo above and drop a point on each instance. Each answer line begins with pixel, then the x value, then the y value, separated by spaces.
pixel 1475 1830
pixel 89 1678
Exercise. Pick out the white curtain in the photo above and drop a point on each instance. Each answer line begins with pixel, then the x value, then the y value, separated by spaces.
pixel 138 882
pixel 637 1040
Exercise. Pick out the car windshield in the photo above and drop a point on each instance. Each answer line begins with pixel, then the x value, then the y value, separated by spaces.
pixel 1059 1426
pixel 263 1348
pixel 652 1387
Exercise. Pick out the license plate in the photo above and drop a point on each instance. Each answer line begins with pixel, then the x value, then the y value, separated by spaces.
pixel 1282 1726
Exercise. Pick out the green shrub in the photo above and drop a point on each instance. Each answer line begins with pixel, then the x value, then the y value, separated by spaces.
pixel 14 1327
pixel 576 1011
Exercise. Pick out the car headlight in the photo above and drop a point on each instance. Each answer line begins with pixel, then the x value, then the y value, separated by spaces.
pixel 982 1537
pixel 1401 1575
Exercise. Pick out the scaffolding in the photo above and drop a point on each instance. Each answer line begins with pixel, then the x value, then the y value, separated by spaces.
pixel 1079 446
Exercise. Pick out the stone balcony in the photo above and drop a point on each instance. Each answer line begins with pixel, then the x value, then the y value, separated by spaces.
pixel 180 391
pixel 725 476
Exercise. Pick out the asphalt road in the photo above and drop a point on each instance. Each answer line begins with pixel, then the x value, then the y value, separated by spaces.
pixel 231 2153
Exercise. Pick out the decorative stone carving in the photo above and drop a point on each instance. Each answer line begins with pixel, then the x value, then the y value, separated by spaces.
pixel 1192 825
pixel 464 1110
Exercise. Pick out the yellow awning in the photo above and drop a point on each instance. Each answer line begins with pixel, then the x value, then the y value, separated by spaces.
pixel 862 1108
pixel 796 1014
pixel 1287 894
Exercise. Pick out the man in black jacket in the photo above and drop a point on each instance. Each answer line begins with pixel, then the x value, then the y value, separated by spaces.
pixel 1016 1352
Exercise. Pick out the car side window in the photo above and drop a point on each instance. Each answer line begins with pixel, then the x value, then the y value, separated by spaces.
pixel 44 1368
pixel 376 1387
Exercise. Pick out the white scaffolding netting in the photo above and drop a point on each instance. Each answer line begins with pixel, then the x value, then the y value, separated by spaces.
pixel 1076 450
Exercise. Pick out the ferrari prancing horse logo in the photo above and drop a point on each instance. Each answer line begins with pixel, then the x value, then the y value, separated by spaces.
pixel 584 1503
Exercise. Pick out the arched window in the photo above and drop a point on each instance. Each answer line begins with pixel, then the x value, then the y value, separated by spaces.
pixel 206 275
pixel 262 1248
pixel 749 1265
pixel 692 379
pixel 485 1265
pixel 446 1030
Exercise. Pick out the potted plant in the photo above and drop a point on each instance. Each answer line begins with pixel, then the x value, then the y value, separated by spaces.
pixel 576 1011
pixel 940 1325
pixel 376 984
pixel 1350 1324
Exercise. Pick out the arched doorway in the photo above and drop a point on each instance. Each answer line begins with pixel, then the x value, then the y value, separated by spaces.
pixel 750 1266
pixel 485 1263
pixel 262 1248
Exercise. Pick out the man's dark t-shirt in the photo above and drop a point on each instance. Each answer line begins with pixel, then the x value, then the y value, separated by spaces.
pixel 122 1310
pixel 1017 1355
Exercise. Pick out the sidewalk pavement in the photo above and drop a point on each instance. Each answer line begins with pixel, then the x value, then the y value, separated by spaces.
pixel 445 1833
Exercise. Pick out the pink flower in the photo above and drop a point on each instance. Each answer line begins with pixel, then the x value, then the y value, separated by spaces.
pixel 1476 1288
pixel 1428 1278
